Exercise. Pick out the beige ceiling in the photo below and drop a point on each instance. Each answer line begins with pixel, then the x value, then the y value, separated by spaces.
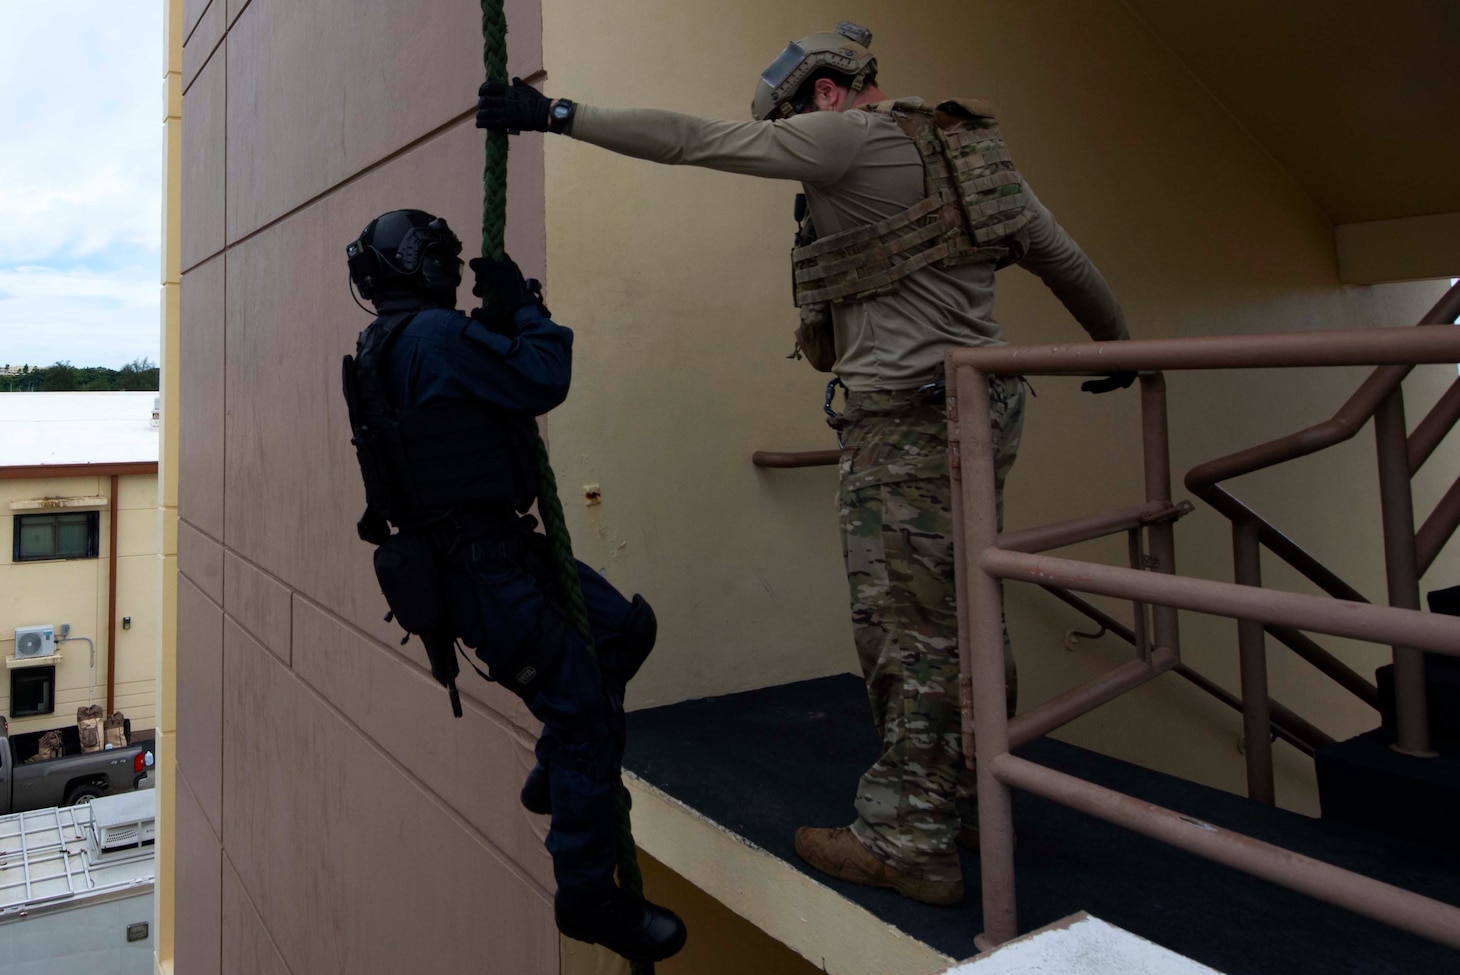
pixel 1358 99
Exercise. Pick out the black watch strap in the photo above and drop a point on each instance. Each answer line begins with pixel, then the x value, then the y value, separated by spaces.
pixel 560 115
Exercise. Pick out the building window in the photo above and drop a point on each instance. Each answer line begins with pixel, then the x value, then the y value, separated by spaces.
pixel 32 691
pixel 72 535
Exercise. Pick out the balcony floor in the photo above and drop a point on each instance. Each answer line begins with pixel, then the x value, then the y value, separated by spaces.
pixel 763 762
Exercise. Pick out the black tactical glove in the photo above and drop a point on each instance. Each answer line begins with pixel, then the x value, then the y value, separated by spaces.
pixel 503 290
pixel 515 108
pixel 1112 381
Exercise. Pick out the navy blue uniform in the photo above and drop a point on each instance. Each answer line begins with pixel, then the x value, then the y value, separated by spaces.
pixel 505 599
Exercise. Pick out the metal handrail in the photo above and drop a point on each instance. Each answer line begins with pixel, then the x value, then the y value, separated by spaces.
pixel 1409 553
pixel 795 458
pixel 1286 724
pixel 981 563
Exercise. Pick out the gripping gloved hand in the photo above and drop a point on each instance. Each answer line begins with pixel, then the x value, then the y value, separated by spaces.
pixel 1112 381
pixel 503 290
pixel 515 108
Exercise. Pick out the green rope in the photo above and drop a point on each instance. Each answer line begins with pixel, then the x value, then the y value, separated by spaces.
pixel 549 505
pixel 494 176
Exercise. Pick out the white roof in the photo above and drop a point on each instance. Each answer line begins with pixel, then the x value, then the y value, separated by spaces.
pixel 76 428
pixel 47 863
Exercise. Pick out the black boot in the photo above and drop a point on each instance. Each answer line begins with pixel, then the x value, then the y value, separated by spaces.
pixel 536 797
pixel 624 924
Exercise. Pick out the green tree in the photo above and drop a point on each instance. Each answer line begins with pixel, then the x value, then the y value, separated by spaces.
pixel 59 378
pixel 139 374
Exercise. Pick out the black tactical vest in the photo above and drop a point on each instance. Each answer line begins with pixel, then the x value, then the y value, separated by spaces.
pixel 419 463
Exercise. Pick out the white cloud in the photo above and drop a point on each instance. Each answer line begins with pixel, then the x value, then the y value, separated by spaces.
pixel 80 178
pixel 88 318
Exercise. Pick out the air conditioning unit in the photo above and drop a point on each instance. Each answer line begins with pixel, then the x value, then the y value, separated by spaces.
pixel 35 641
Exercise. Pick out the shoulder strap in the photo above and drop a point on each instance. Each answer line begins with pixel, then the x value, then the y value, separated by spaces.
pixel 370 350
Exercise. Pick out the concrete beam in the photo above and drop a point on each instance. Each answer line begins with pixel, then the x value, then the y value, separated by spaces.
pixel 1409 249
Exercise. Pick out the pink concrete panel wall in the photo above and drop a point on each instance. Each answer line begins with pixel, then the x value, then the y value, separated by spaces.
pixel 322 780
pixel 199 880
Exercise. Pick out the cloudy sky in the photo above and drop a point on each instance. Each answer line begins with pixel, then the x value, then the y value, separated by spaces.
pixel 80 180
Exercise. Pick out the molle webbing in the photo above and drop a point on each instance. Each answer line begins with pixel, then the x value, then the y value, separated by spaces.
pixel 974 204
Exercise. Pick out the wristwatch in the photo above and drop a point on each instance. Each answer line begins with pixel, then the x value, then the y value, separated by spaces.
pixel 560 116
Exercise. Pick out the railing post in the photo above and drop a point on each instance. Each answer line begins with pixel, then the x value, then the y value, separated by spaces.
pixel 1411 710
pixel 981 641
pixel 1252 645
pixel 1162 536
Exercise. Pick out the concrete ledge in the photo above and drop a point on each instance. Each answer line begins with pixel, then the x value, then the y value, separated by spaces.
pixel 814 921
pixel 41 504
pixel 1410 249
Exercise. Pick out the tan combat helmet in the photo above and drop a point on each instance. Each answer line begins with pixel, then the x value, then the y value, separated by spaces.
pixel 845 50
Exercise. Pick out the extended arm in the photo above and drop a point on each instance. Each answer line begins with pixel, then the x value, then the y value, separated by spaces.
pixel 815 148
pixel 1076 282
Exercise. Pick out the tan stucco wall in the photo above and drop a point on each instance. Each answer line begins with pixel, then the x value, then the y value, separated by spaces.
pixel 167 479
pixel 677 284
pixel 74 591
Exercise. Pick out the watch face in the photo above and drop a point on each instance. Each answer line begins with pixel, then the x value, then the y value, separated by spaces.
pixel 560 112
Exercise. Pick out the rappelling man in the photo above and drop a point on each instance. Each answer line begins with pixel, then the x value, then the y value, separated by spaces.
pixel 443 407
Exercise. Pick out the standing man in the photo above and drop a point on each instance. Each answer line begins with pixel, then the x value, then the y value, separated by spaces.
pixel 909 212
pixel 442 412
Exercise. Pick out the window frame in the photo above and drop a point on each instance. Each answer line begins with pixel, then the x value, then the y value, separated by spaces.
pixel 93 536
pixel 44 675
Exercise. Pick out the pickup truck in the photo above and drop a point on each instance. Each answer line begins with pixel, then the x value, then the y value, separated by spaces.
pixel 74 777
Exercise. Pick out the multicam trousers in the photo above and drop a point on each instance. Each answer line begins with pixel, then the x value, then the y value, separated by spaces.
pixel 897 537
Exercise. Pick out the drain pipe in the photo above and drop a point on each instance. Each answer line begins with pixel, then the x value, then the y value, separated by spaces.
pixel 111 598
pixel 91 681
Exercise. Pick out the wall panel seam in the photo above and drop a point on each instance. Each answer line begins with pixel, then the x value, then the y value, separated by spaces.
pixel 201 15
pixel 206 61
pixel 258 914
pixel 354 177
pixel 254 636
pixel 194 583
pixel 216 541
pixel 192 794
pixel 234 20
pixel 496 852
pixel 203 260
pixel 501 720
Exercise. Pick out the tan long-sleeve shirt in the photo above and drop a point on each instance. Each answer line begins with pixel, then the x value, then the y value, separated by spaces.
pixel 858 168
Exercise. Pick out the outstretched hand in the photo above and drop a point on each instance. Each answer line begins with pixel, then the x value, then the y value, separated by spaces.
pixel 513 108
pixel 1110 382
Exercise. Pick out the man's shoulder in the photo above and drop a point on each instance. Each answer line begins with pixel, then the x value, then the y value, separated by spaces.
pixel 429 319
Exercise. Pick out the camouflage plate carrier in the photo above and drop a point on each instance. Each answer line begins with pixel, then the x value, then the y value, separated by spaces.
pixel 974 208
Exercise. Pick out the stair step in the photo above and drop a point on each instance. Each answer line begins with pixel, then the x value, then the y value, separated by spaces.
pixel 1366 782
pixel 1442 687
pixel 1442 680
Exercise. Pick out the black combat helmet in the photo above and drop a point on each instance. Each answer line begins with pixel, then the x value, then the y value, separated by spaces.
pixel 406 254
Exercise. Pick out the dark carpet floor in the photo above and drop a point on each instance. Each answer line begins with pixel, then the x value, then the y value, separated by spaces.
pixel 763 762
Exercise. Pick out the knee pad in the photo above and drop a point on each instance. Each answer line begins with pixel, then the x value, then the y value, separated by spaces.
pixel 621 657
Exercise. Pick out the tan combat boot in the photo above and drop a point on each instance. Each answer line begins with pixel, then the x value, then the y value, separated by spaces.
pixel 840 854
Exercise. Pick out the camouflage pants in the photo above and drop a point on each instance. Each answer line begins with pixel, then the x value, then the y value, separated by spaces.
pixel 897 537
